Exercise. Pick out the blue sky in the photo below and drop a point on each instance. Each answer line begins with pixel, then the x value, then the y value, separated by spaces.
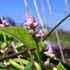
pixel 15 9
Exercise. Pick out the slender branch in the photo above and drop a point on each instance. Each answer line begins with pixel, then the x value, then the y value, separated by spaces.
pixel 56 27
pixel 16 54
pixel 34 68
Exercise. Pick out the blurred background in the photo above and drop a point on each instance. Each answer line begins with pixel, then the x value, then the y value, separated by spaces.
pixel 48 13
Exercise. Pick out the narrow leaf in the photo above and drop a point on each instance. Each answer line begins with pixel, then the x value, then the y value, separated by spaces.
pixel 41 45
pixel 56 26
pixel 60 66
pixel 8 37
pixel 28 66
pixel 21 34
pixel 2 65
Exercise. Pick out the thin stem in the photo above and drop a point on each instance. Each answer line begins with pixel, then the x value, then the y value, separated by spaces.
pixel 5 39
pixel 21 60
pixel 48 59
pixel 32 59
pixel 4 36
pixel 39 55
pixel 16 65
pixel 15 54
pixel 56 27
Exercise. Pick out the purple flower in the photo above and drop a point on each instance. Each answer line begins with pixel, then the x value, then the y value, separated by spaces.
pixel 4 24
pixel 31 22
pixel 1 25
pixel 50 53
pixel 50 50
pixel 40 35
pixel 46 63
pixel 27 24
pixel 36 24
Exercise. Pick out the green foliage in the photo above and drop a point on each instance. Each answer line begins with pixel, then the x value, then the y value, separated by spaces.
pixel 28 66
pixel 21 34
pixel 33 59
pixel 16 64
pixel 8 37
pixel 41 45
pixel 2 66
pixel 60 66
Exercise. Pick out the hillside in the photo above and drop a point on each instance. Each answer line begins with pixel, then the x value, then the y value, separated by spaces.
pixel 64 37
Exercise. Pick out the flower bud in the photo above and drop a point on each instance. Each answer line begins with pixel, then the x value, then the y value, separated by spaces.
pixel 40 35
pixel 31 32
pixel 46 63
pixel 31 20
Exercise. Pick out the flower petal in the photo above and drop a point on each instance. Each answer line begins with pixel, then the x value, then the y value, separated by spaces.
pixel 31 19
pixel 50 50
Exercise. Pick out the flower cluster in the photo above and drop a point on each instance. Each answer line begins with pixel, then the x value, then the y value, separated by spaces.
pixel 4 24
pixel 49 53
pixel 3 48
pixel 31 24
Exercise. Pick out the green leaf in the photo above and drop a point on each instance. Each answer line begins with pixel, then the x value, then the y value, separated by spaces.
pixel 8 37
pixel 21 60
pixel 2 65
pixel 37 66
pixel 60 66
pixel 18 66
pixel 54 68
pixel 19 44
pixel 41 45
pixel 49 67
pixel 21 34
pixel 28 66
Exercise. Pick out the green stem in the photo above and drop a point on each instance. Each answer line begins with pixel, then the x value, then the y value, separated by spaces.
pixel 21 60
pixel 37 66
pixel 32 59
pixel 48 59
pixel 38 54
pixel 16 65
pixel 56 27
pixel 4 36
pixel 5 41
